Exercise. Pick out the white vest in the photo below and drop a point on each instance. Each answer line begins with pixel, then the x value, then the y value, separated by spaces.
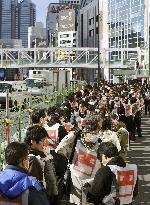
pixel 141 102
pixel 126 179
pixel 85 163
pixel 128 109
pixel 52 140
pixel 81 121
pixel 117 105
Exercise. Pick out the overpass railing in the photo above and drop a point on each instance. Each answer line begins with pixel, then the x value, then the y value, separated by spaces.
pixel 68 57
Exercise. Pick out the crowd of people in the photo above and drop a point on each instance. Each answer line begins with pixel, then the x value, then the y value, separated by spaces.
pixel 77 151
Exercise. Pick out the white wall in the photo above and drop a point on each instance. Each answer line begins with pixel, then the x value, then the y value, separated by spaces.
pixel 66 36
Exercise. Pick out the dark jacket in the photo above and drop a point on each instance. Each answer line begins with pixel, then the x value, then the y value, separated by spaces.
pixel 101 185
pixel 39 166
pixel 14 181
pixel 60 162
pixel 123 137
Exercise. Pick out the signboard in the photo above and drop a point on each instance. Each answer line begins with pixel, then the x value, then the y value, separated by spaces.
pixel 66 20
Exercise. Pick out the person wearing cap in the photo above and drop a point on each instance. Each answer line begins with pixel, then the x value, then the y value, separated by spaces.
pixel 84 163
pixel 122 135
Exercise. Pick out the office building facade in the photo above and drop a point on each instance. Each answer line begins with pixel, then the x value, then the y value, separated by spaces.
pixel 126 26
pixel 27 17
pixel 91 32
pixel 123 24
pixel 37 35
pixel 51 24
pixel 15 18
pixel 8 18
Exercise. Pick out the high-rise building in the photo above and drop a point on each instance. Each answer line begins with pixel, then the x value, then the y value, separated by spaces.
pixel 15 18
pixel 8 28
pixel 51 23
pixel 27 16
pixel 66 28
pixel 122 24
pixel 36 35
pixel 0 17
pixel 126 25
pixel 91 32
pixel 52 20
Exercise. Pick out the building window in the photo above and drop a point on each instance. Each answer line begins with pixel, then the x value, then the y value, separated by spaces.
pixel 96 30
pixel 97 18
pixel 91 33
pixel 64 36
pixel 91 21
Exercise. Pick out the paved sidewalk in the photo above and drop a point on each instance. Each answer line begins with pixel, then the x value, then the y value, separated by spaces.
pixel 140 155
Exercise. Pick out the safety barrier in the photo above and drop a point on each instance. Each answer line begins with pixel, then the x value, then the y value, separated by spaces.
pixel 15 120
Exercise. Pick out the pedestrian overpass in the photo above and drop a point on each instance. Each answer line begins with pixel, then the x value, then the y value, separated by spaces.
pixel 110 58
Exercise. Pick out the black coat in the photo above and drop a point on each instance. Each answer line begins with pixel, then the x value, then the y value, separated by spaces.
pixel 37 198
pixel 101 185
pixel 40 165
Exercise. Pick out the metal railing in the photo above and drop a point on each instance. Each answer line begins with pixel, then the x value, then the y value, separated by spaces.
pixel 15 120
pixel 68 57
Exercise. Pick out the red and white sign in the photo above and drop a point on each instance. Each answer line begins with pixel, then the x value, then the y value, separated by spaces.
pixel 141 102
pixel 85 161
pixel 52 135
pixel 68 126
pixel 126 179
pixel 81 122
pixel 128 109
pixel 117 105
pixel 52 139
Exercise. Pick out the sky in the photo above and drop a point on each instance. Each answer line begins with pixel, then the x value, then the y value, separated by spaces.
pixel 41 6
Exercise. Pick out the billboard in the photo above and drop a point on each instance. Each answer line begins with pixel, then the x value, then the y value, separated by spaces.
pixel 66 20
